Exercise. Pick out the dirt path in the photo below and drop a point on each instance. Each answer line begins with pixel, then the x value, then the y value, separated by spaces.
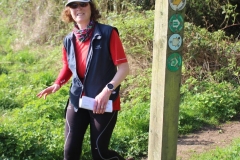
pixel 207 139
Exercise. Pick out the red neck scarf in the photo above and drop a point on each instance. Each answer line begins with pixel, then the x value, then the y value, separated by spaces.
pixel 84 34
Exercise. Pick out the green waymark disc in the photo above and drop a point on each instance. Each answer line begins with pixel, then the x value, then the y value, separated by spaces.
pixel 174 62
pixel 176 23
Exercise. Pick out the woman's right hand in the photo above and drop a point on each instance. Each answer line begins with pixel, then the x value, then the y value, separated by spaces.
pixel 53 88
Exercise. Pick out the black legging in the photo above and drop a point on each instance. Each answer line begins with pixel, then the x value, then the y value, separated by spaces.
pixel 101 128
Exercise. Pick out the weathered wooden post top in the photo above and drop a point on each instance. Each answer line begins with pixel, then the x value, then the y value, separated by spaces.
pixel 166 79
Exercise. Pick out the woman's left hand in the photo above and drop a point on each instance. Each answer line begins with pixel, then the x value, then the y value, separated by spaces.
pixel 101 101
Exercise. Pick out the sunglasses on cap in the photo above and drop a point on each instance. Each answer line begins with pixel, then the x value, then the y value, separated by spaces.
pixel 75 5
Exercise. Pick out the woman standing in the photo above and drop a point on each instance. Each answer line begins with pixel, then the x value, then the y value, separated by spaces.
pixel 93 56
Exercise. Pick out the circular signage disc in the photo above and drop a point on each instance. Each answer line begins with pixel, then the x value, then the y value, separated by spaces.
pixel 177 5
pixel 174 62
pixel 175 42
pixel 176 23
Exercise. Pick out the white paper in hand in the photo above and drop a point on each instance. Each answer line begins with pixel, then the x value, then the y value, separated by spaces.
pixel 88 103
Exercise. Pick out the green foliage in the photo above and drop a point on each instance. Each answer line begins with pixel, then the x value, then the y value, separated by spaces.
pixel 214 15
pixel 131 133
pixel 139 88
pixel 207 103
pixel 7 93
pixel 38 139
pixel 7 36
pixel 24 57
pixel 3 70
pixel 210 55
pixel 45 78
pixel 136 32
pixel 18 79
pixel 34 131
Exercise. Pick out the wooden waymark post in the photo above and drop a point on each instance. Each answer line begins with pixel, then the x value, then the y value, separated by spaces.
pixel 166 79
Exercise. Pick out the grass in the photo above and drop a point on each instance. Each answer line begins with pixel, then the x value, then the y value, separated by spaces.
pixel 231 152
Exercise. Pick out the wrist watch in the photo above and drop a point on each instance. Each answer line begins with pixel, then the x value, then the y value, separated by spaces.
pixel 110 86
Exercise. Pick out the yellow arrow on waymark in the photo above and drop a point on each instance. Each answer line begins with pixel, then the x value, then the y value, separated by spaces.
pixel 176 2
